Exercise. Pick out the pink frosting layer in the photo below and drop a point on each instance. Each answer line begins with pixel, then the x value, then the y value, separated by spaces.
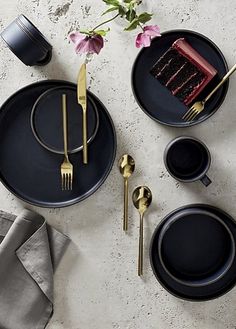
pixel 184 48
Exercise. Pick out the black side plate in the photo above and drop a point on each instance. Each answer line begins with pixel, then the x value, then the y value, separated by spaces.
pixel 48 108
pixel 155 100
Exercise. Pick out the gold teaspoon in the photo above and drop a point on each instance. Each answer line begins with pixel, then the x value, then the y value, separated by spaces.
pixel 126 166
pixel 142 198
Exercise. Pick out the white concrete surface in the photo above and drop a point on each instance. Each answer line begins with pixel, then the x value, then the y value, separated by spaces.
pixel 96 286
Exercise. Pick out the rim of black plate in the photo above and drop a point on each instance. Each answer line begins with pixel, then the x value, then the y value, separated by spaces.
pixel 224 93
pixel 167 288
pixel 91 191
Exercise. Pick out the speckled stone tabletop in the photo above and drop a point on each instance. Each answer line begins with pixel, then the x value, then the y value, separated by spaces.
pixel 96 285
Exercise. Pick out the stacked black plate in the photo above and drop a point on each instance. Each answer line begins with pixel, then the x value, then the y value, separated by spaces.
pixel 30 170
pixel 193 252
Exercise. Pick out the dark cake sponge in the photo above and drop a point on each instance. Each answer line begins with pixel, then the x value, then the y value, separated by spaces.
pixel 183 71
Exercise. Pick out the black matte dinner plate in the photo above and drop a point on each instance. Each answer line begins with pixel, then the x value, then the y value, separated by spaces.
pixel 155 99
pixel 191 248
pixel 33 173
pixel 48 108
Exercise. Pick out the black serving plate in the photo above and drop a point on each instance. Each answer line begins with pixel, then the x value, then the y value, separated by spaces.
pixel 155 99
pixel 33 173
pixel 189 252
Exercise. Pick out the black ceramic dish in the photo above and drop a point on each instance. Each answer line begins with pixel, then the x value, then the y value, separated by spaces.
pixel 206 267
pixel 33 173
pixel 187 159
pixel 192 256
pixel 155 100
pixel 48 108
pixel 27 42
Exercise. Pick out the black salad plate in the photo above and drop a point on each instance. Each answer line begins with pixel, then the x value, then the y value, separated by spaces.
pixel 48 108
pixel 192 252
pixel 31 172
pixel 155 99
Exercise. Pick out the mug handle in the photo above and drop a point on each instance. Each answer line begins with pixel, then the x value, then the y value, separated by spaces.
pixel 206 180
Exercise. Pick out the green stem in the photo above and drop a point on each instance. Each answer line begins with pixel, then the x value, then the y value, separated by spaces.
pixel 105 22
pixel 141 26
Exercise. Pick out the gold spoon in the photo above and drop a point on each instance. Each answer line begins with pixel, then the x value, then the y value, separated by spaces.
pixel 126 166
pixel 142 198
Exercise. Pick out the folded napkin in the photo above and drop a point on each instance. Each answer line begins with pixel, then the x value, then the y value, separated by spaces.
pixel 30 251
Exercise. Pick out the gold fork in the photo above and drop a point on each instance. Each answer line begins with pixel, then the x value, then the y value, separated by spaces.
pixel 66 166
pixel 198 107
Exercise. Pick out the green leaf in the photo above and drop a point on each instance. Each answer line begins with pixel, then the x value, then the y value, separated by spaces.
pixel 144 17
pixel 127 1
pixel 102 32
pixel 122 11
pixel 110 10
pixel 133 25
pixel 112 2
pixel 130 15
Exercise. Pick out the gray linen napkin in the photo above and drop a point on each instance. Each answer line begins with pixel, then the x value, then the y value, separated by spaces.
pixel 30 251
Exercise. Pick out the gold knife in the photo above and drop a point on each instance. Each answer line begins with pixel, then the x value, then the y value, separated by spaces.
pixel 82 100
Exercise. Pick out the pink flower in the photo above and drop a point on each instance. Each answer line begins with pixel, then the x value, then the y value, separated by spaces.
pixel 87 44
pixel 149 32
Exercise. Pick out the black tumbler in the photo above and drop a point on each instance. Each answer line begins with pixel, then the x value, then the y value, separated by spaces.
pixel 27 42
pixel 187 159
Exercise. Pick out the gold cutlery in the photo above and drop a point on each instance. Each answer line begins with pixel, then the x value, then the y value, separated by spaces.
pixel 66 166
pixel 142 198
pixel 126 166
pixel 82 100
pixel 198 107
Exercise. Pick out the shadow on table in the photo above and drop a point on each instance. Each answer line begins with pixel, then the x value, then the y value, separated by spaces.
pixel 55 70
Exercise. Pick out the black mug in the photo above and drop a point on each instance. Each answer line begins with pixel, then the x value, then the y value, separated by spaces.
pixel 27 42
pixel 187 159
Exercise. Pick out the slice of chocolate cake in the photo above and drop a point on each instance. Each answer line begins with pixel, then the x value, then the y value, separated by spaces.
pixel 183 71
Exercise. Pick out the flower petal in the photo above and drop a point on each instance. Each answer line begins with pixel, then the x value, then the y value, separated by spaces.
pixel 146 40
pixel 96 43
pixel 152 30
pixel 143 40
pixel 91 45
pixel 82 46
pixel 138 40
pixel 76 37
